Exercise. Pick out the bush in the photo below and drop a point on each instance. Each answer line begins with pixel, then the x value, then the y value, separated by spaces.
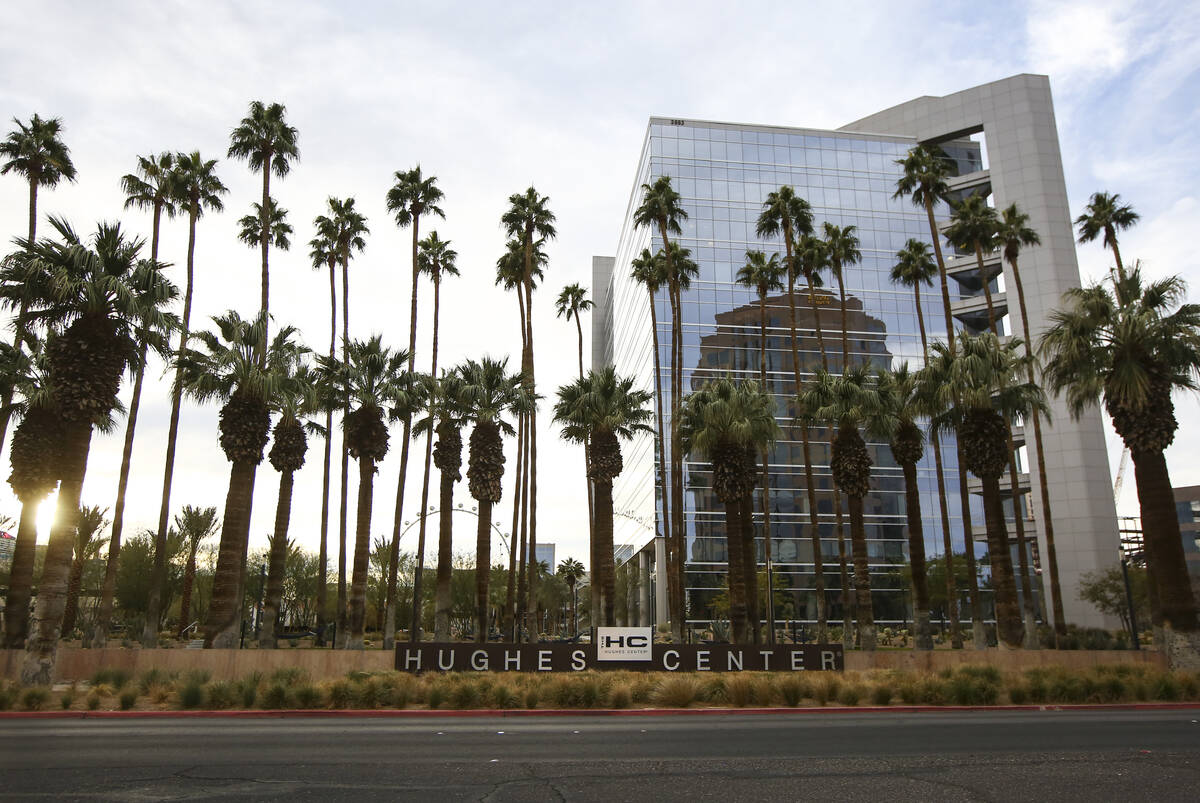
pixel 127 699
pixel 67 698
pixel 850 694
pixel 222 695
pixel 642 690
pixel 191 694
pixel 882 694
pixel 531 697
pixel 464 695
pixel 32 699
pixel 275 696
pixel 289 676
pixel 1018 694
pixel 93 701
pixel 677 692
pixel 714 689
pixel 437 695
pixel 792 689
pixel 620 697
pixel 151 677
pixel 503 696
pixel 828 688
pixel 248 690
pixel 1165 688
pixel 200 676
pixel 741 691
pixel 368 693
pixel 308 696
pixel 910 693
pixel 7 696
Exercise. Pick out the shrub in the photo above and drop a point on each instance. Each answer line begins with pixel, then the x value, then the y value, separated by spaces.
pixel 531 697
pixel 290 675
pixel 191 694
pixel 464 695
pixel 116 678
pixel 679 691
pixel 985 672
pixel 7 696
pixel 248 690
pixel 367 693
pixel 714 689
pixel 1018 694
pixel 882 694
pixel 642 690
pixel 932 691
pixel 829 688
pixel 93 701
pixel 972 687
pixel 127 699
pixel 850 694
pixel 308 696
pixel 151 677
pixel 437 695
pixel 222 695
pixel 200 676
pixel 1189 685
pixel 792 689
pixel 909 692
pixel 67 698
pixel 275 696
pixel 503 696
pixel 341 694
pixel 1165 687
pixel 741 691
pixel 620 697
pixel 159 693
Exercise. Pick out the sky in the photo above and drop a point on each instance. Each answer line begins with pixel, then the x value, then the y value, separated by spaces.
pixel 491 98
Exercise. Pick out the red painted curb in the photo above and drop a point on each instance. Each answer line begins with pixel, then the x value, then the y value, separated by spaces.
pixel 410 713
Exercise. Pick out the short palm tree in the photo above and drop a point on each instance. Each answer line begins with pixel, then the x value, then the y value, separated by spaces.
pixel 570 570
pixel 279 231
pixel 895 421
pixel 88 543
pixel 848 402
pixel 1105 215
pixel 489 395
pixel 601 409
pixel 226 368
pixel 978 391
pixel 1130 342
pixel 728 423
pixel 915 267
pixel 412 196
pixel 195 189
pixel 96 311
pixel 662 212
pixel 265 140
pixel 372 378
pixel 194 524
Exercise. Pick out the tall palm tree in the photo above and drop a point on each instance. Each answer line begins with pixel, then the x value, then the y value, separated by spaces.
pixel 729 423
pixel 979 390
pixel 344 227
pixel 412 196
pixel 324 254
pixel 895 421
pixel 228 370
pixel 847 402
pixel 88 543
pixel 35 455
pixel 842 246
pixel 973 226
pixel 529 220
pixel 436 260
pixel 268 144
pixel 662 211
pixel 156 293
pixel 194 524
pixel 1013 233
pixel 278 229
pixel 371 378
pixel 764 275
pixel 96 311
pixel 915 267
pixel 297 398
pixel 570 570
pixel 926 170
pixel 1105 215
pixel 785 213
pixel 1130 342
pixel 573 300
pixel 489 394
pixel 600 409
pixel 37 152
pixel 196 189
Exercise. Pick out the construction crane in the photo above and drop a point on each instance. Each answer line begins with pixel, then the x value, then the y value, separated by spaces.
pixel 1120 475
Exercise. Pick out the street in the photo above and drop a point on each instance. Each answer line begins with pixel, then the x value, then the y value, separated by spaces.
pixel 1064 756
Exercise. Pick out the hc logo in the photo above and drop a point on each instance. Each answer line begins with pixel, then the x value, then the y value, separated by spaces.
pixel 623 642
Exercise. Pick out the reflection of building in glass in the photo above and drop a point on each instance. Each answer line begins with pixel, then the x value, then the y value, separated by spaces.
pixel 723 172
pixel 1187 505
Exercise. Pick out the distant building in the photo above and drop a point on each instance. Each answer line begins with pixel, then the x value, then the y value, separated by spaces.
pixel 545 554
pixel 1187 506
pixel 8 543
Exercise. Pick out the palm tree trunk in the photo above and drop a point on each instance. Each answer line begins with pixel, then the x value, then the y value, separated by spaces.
pixel 158 574
pixel 278 559
pixel 810 485
pixel 523 554
pixel 679 615
pixel 1009 629
pixel 586 446
pixel 362 553
pixel 222 630
pixel 414 630
pixel 672 576
pixel 74 585
pixel 1056 601
pixel 19 338
pixel 532 468
pixel 916 558
pixel 766 472
pixel 445 567
pixel 510 600
pixel 343 628
pixel 189 581
pixel 264 245
pixel 483 563
pixel 737 574
pixel 323 557
pixel 604 551
pixel 862 574
pixel 20 583
pixel 750 567
pixel 851 599
pixel 42 647
pixel 1176 610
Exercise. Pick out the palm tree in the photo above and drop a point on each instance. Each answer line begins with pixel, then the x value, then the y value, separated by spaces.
pixel 1129 343
pixel 297 398
pixel 278 229
pixel 979 390
pixel 926 169
pixel 443 401
pixel 156 293
pixel 1013 233
pixel 764 275
pixel 529 220
pixel 895 421
pixel 229 370
pixel 371 378
pixel 785 213
pixel 848 402
pixel 195 189
pixel 412 196
pixel 194 524
pixel 35 455
pixel 265 140
pixel 570 303
pixel 662 210
pixel 729 423
pixel 915 267
pixel 436 260
pixel 344 228
pixel 973 225
pixel 600 409
pixel 88 543
pixel 37 152
pixel 489 394
pixel 324 254
pixel 1106 215
pixel 96 311
pixel 570 570
pixel 842 247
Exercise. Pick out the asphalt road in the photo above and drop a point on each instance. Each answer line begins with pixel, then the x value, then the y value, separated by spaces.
pixel 1061 756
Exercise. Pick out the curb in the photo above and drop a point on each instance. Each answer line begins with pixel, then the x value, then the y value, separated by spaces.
pixel 408 713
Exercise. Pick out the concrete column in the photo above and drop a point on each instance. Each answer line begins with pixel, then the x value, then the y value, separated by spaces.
pixel 643 619
pixel 660 580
